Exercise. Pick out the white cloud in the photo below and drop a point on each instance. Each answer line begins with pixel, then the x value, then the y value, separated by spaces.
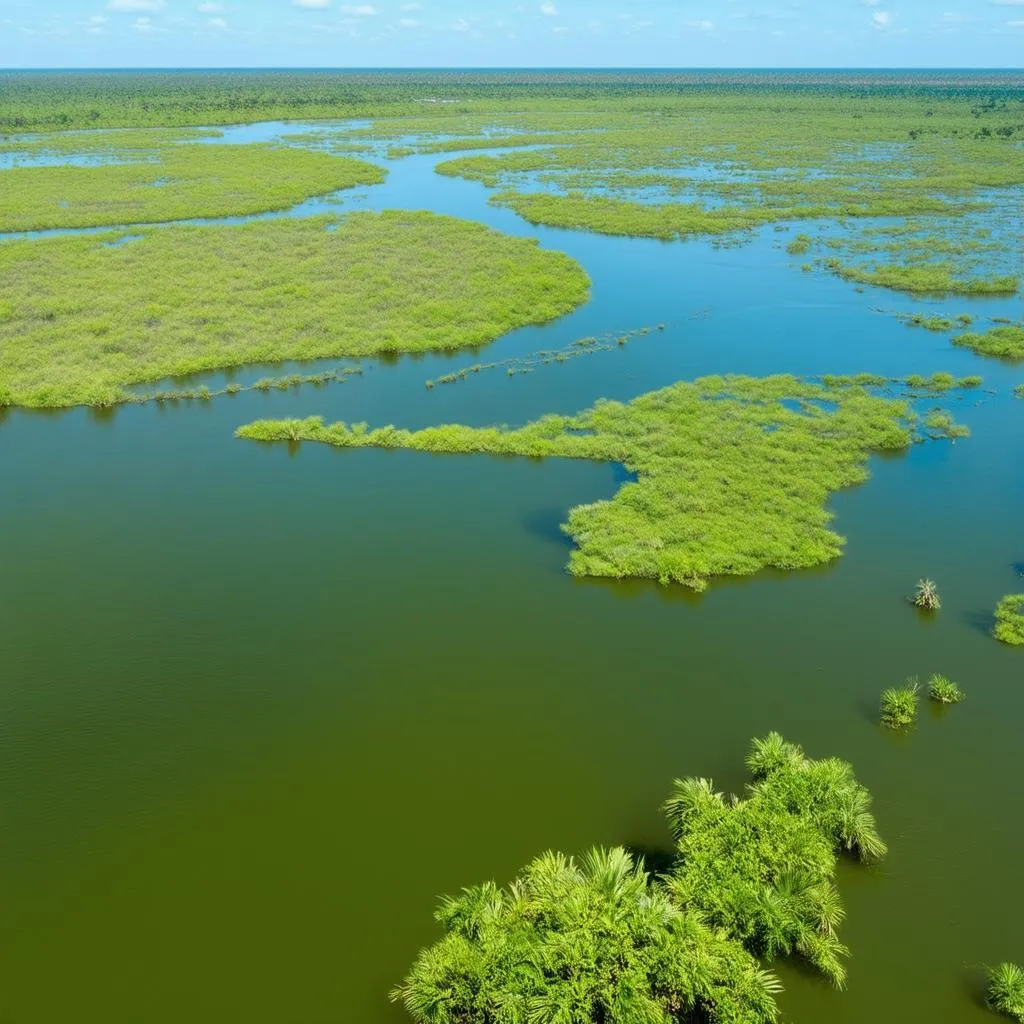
pixel 409 8
pixel 146 26
pixel 1016 24
pixel 360 10
pixel 210 8
pixel 549 10
pixel 703 24
pixel 1007 3
pixel 881 19
pixel 135 5
pixel 408 22
pixel 460 25
pixel 312 5
pixel 218 23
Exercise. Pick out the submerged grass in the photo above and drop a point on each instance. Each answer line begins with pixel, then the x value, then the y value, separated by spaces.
pixel 173 182
pixel 733 474
pixel 181 300
pixel 1009 627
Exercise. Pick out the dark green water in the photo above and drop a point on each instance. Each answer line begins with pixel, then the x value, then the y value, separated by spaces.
pixel 258 708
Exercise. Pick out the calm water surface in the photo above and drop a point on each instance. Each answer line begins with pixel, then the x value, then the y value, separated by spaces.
pixel 259 707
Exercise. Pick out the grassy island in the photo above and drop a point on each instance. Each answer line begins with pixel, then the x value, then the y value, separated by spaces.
pixel 1006 342
pixel 172 301
pixel 733 474
pixel 171 182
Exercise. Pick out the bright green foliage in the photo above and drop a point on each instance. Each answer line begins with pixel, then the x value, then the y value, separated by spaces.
pixel 179 300
pixel 931 278
pixel 1006 990
pixel 926 596
pixel 1005 342
pixel 173 182
pixel 899 705
pixel 733 473
pixel 762 868
pixel 944 690
pixel 1009 625
pixel 571 942
pixel 1018 391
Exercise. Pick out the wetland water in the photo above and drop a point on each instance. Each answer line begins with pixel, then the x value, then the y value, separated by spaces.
pixel 259 707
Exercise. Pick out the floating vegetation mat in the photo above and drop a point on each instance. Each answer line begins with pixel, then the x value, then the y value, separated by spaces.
pixel 170 182
pixel 733 474
pixel 174 301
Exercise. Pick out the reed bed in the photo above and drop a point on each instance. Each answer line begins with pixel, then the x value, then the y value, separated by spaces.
pixel 733 474
pixel 175 301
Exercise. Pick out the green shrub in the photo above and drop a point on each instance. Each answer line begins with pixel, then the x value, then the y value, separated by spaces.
pixel 944 690
pixel 1009 625
pixel 927 596
pixel 1001 342
pixel 1006 990
pixel 899 706
pixel 582 942
pixel 762 868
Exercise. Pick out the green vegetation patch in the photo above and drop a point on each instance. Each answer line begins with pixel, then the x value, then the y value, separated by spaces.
pixel 600 940
pixel 1006 342
pixel 733 474
pixel 944 691
pixel 593 940
pixel 180 300
pixel 1005 993
pixel 925 278
pixel 762 868
pixel 899 705
pixel 1009 627
pixel 173 182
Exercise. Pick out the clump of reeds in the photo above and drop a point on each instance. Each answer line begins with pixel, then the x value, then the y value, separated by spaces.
pixel 1006 990
pixel 1009 627
pixel 944 690
pixel 899 705
pixel 926 596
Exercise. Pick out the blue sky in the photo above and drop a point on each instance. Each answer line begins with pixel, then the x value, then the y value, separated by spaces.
pixel 483 33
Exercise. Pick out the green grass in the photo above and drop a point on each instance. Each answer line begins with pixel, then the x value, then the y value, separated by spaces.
pixel 734 474
pixel 1009 627
pixel 944 691
pixel 181 300
pixel 762 868
pixel 1005 992
pixel 899 706
pixel 926 596
pixel 1005 342
pixel 927 278
pixel 173 182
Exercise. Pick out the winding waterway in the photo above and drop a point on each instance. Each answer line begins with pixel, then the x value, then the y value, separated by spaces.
pixel 260 706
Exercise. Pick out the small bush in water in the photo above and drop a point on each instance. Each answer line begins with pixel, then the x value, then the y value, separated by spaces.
pixel 899 706
pixel 944 690
pixel 1006 990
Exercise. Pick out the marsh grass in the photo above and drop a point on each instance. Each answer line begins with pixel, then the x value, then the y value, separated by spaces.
pixel 899 705
pixel 944 691
pixel 517 365
pixel 1005 342
pixel 733 474
pixel 926 596
pixel 195 181
pixel 1005 992
pixel 182 300
pixel 1009 625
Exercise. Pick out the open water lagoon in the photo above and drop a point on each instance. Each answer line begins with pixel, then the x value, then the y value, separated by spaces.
pixel 261 705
